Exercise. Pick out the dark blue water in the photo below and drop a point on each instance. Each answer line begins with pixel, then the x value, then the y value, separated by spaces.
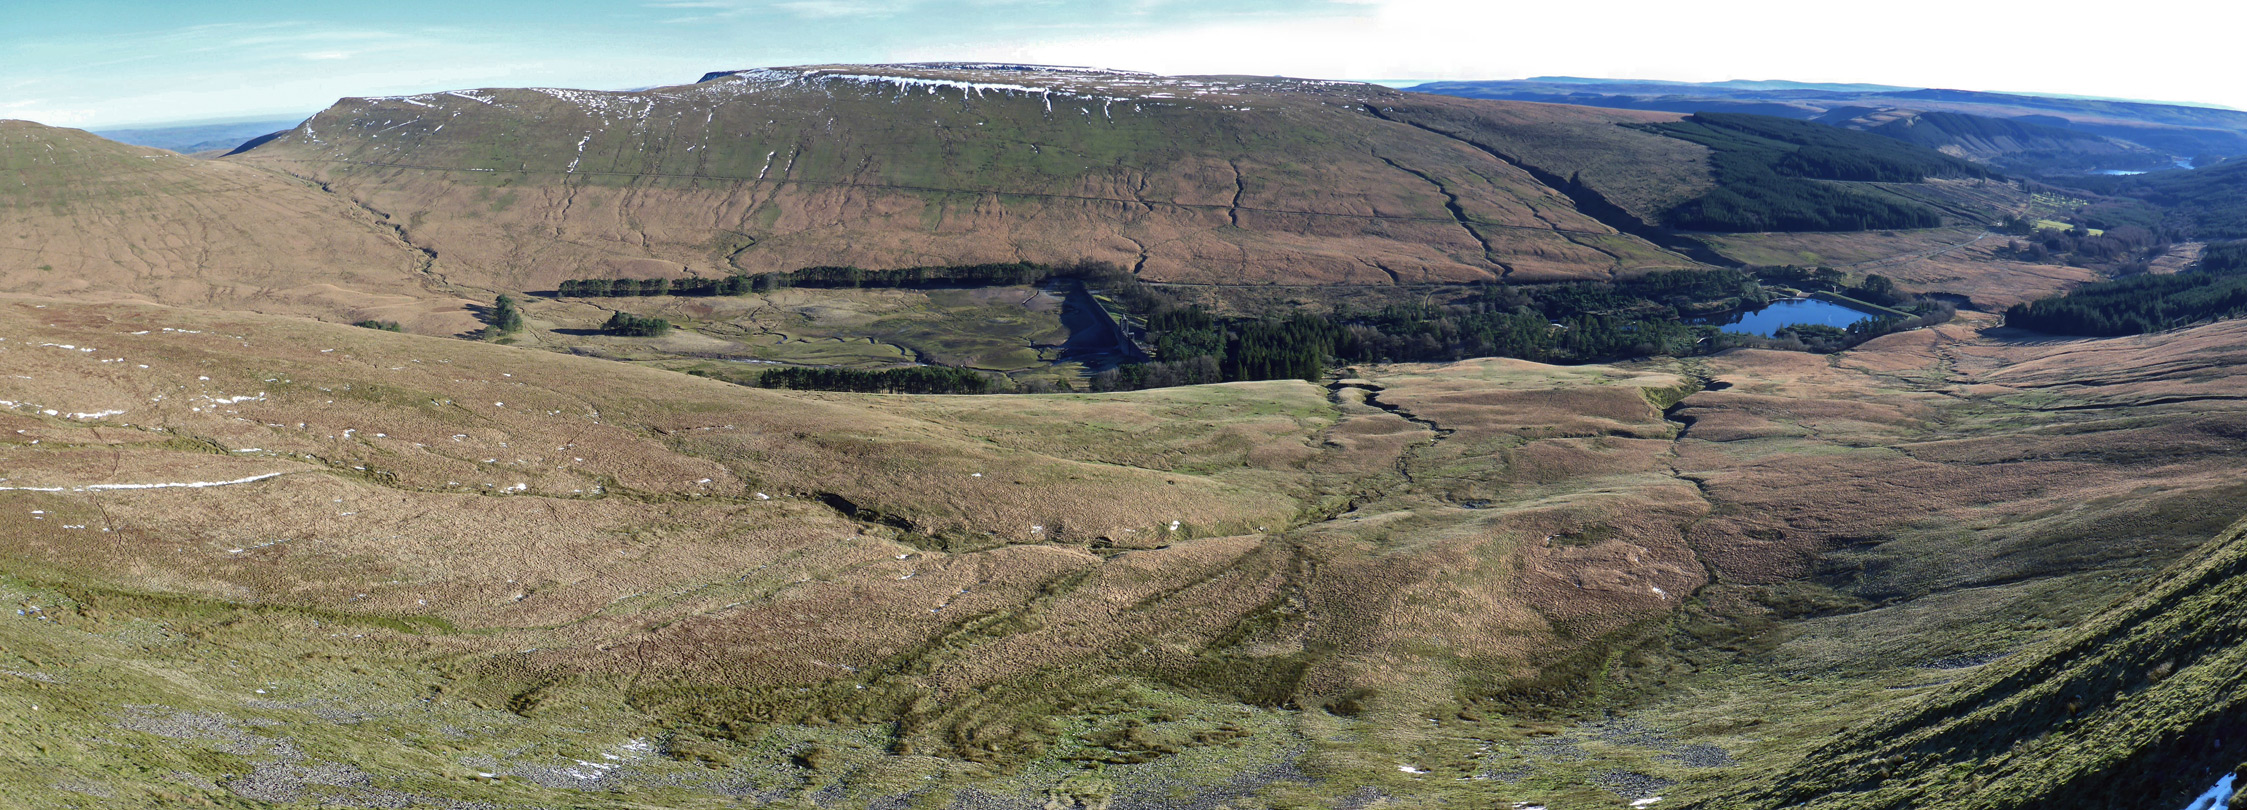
pixel 1792 312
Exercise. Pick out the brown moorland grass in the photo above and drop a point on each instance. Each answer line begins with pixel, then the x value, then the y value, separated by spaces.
pixel 495 532
pixel 97 220
pixel 1236 180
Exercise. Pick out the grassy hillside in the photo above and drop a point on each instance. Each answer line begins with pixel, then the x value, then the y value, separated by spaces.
pixel 466 571
pixel 1203 179
pixel 88 217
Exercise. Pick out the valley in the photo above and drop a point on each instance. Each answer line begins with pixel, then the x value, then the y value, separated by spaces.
pixel 1128 565
pixel 1443 483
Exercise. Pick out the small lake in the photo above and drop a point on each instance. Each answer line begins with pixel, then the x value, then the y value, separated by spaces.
pixel 1792 312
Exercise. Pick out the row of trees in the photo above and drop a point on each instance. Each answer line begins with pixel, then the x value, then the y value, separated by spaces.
pixel 2145 303
pixel 910 380
pixel 631 287
pixel 972 275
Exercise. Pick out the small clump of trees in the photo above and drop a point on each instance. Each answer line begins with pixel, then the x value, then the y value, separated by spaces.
pixel 506 317
pixel 385 326
pixel 629 325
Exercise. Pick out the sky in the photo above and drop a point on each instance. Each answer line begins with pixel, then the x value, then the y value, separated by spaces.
pixel 114 63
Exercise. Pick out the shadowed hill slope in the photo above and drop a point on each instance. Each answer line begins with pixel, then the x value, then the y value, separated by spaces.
pixel 2140 706
pixel 91 218
pixel 1190 179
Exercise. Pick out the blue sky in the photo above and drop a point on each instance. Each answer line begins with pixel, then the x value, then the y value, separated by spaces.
pixel 106 63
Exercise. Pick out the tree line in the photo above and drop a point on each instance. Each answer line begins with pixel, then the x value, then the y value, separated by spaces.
pixel 909 380
pixel 2144 303
pixel 971 275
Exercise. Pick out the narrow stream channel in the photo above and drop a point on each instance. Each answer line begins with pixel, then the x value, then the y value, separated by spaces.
pixel 2216 796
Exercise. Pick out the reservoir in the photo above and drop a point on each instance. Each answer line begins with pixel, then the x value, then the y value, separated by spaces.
pixel 1791 312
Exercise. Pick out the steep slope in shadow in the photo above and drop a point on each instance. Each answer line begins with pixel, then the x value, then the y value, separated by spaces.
pixel 2140 707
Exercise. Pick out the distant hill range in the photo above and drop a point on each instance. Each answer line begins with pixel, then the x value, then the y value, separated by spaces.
pixel 2043 134
pixel 189 139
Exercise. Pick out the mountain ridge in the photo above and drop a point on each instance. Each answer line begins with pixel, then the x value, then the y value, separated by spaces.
pixel 1232 179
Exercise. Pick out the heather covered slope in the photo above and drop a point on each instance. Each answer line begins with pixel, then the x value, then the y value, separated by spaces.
pixel 1195 179
pixel 91 218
